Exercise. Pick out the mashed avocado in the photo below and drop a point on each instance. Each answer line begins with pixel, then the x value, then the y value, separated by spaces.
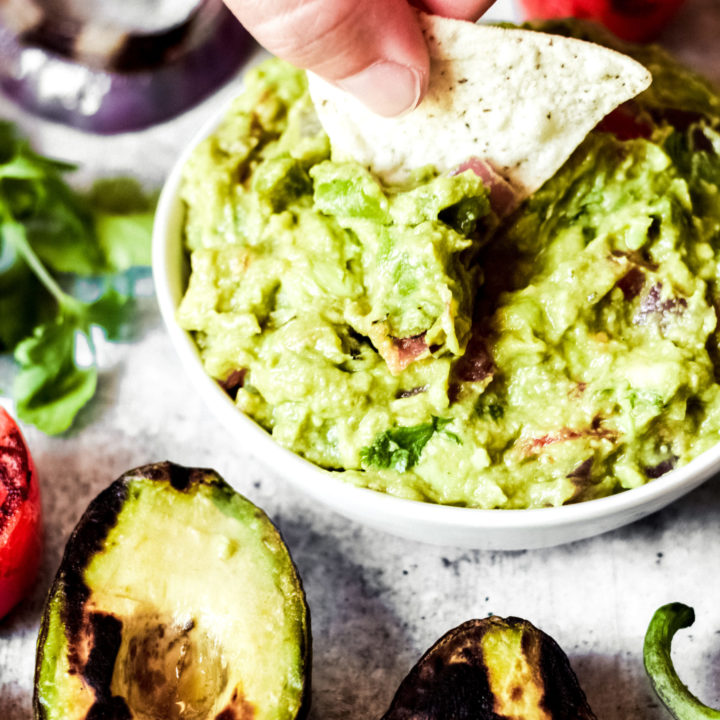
pixel 410 339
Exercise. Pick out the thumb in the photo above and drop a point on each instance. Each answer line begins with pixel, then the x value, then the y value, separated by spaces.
pixel 374 49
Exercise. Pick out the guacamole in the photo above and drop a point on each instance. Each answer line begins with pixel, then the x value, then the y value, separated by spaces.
pixel 413 341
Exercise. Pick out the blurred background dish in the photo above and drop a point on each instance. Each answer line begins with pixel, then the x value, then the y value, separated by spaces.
pixel 108 67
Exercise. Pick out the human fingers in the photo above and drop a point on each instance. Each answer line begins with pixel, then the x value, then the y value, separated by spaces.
pixel 374 49
pixel 462 9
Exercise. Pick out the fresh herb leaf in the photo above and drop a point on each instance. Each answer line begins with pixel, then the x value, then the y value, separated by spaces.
pixel 494 409
pixel 123 217
pixel 47 228
pixel 465 215
pixel 21 296
pixel 50 388
pixel 109 312
pixel 645 399
pixel 57 222
pixel 400 447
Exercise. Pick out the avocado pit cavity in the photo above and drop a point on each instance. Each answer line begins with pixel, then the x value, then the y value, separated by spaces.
pixel 168 671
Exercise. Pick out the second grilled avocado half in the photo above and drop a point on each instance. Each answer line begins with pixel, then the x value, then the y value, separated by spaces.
pixel 491 669
pixel 176 599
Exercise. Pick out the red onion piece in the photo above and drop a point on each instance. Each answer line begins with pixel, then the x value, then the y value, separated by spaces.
pixel 502 195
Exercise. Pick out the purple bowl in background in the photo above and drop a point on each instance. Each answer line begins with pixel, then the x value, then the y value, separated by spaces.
pixel 150 78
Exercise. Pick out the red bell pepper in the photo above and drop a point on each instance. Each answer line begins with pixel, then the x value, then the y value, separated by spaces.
pixel 633 20
pixel 20 516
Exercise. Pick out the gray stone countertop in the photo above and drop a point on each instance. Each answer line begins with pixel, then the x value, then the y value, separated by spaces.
pixel 377 602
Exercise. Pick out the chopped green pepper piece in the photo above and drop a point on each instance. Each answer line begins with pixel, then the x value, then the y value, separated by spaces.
pixel 676 697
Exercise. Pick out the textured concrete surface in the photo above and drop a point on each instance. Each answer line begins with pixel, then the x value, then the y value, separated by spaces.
pixel 377 602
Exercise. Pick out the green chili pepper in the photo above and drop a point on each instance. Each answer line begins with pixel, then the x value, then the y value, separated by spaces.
pixel 676 697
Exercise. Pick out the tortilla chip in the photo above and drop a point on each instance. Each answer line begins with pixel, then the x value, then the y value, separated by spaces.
pixel 518 99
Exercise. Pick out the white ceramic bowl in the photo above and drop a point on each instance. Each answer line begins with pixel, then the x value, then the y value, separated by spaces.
pixel 437 524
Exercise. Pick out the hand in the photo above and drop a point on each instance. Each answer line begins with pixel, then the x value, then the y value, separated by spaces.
pixel 374 49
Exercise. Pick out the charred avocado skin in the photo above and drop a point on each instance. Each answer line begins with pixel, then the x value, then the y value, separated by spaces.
pixel 177 599
pixel 491 669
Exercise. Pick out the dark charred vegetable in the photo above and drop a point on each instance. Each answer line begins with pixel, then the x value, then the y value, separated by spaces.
pixel 676 697
pixel 491 669
pixel 177 599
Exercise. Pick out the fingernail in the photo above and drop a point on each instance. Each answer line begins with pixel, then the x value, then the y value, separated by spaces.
pixel 386 88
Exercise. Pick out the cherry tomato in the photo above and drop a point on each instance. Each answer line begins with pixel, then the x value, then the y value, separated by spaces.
pixel 633 20
pixel 20 516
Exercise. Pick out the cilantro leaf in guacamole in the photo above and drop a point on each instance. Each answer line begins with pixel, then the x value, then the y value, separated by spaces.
pixel 399 448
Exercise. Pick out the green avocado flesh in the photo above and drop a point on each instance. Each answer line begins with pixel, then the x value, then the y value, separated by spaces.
pixel 414 343
pixel 176 600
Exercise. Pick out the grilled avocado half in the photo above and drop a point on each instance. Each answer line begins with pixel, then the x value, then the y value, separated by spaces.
pixel 491 669
pixel 176 599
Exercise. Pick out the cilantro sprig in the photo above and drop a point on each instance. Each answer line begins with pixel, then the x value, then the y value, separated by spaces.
pixel 48 234
pixel 399 448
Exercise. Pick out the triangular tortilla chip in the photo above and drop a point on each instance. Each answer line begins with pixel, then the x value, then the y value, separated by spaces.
pixel 518 99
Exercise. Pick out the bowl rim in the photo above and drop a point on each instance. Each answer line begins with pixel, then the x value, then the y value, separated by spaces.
pixel 325 485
